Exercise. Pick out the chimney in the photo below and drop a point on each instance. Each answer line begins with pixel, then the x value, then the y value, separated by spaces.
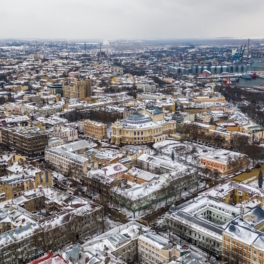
pixel 87 260
pixel 23 220
pixel 80 255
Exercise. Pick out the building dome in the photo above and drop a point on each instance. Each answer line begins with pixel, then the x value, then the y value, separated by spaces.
pixel 136 118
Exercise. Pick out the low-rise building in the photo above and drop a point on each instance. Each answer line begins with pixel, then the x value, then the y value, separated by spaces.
pixel 153 248
pixel 95 129
pixel 202 222
pixel 243 241
pixel 114 171
pixel 22 177
pixel 169 187
pixel 29 239
pixel 237 193
pixel 6 160
pixel 68 134
pixel 223 161
pixel 140 176
pixel 155 164
pixel 55 142
pixel 68 158
pixel 106 156
pixel 120 242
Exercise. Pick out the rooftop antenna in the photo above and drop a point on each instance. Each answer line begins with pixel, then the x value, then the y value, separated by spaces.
pixel 85 47
pixel 100 50
pixel 248 48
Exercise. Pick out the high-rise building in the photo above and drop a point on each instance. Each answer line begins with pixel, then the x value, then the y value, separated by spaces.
pixel 78 89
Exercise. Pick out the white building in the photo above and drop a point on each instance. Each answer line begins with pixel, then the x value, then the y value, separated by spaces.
pixel 68 134
pixel 68 158
pixel 202 222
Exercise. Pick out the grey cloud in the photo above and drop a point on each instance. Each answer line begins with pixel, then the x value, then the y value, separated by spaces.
pixel 140 19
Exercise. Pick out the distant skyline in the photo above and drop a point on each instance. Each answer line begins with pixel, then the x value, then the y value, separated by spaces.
pixel 134 19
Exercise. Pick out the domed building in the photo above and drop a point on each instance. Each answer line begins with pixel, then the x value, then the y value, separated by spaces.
pixel 142 126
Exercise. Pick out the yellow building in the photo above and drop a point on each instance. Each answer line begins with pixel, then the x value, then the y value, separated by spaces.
pixel 242 242
pixel 152 248
pixel 142 127
pixel 237 193
pixel 208 99
pixel 22 177
pixel 95 129
pixel 77 89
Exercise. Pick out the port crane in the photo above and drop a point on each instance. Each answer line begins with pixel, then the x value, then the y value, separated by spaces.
pixel 238 56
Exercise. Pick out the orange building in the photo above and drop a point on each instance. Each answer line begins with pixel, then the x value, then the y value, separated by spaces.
pixel 223 161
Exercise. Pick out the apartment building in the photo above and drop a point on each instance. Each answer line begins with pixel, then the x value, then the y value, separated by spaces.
pixel 153 249
pixel 105 156
pixel 95 129
pixel 29 141
pixel 202 221
pixel 6 160
pixel 140 176
pixel 55 142
pixel 55 88
pixel 68 158
pixel 22 177
pixel 68 134
pixel 120 242
pixel 224 161
pixel 209 99
pixel 19 230
pixel 28 239
pixel 243 240
pixel 77 89
pixel 248 195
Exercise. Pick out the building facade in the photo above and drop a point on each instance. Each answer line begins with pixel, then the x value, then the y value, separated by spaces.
pixel 153 248
pixel 95 129
pixel 67 158
pixel 223 161
pixel 142 128
pixel 202 222
pixel 68 134
pixel 77 89
pixel 29 141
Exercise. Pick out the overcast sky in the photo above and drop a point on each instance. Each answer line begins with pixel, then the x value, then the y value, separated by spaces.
pixel 133 19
